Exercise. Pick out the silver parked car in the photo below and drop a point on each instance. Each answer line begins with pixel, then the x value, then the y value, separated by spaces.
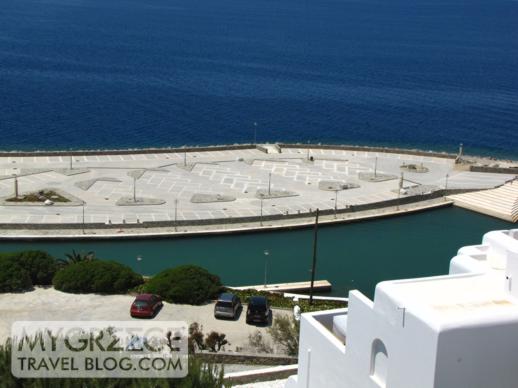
pixel 227 306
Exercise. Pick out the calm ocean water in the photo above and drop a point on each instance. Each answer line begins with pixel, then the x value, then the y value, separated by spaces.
pixel 138 73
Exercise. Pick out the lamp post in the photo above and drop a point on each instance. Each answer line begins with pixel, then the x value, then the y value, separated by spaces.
pixel 15 186
pixel 134 189
pixel 375 166
pixel 83 223
pixel 399 189
pixel 336 201
pixel 70 162
pixel 185 158
pixel 139 259
pixel 261 210
pixel 175 213
pixel 269 182
pixel 266 253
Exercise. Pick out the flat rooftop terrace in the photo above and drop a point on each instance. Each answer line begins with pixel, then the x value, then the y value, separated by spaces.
pixel 218 184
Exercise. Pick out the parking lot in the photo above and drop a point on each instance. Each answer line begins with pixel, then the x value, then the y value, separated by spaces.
pixel 48 304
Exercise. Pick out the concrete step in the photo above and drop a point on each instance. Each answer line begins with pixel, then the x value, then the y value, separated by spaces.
pixel 501 202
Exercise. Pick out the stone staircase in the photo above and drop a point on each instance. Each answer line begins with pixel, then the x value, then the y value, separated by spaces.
pixel 501 202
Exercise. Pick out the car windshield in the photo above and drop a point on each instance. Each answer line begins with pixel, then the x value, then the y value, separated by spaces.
pixel 224 304
pixel 140 303
pixel 257 304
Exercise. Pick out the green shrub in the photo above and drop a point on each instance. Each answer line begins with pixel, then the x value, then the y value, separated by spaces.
pixel 13 277
pixel 21 270
pixel 285 333
pixel 96 276
pixel 186 284
pixel 40 266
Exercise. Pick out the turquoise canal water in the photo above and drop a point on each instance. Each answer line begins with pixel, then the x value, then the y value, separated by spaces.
pixel 351 256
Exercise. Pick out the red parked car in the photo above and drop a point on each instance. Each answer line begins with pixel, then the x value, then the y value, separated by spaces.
pixel 146 305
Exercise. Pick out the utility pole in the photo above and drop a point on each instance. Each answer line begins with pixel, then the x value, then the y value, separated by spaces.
pixel 313 267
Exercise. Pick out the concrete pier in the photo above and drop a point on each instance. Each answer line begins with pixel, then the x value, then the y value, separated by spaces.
pixel 220 189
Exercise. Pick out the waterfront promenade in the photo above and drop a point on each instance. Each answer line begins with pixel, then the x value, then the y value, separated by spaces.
pixel 131 189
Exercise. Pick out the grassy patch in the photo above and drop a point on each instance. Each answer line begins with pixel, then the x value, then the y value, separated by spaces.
pixel 277 300
pixel 40 196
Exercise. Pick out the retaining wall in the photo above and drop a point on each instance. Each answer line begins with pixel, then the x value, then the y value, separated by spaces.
pixel 237 220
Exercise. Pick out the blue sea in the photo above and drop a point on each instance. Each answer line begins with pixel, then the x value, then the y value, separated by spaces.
pixel 431 74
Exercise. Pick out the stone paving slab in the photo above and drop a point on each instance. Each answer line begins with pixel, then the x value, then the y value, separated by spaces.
pixel 238 174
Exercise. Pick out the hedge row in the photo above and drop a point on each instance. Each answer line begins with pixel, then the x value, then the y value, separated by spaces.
pixel 96 276
pixel 186 284
pixel 21 271
pixel 277 300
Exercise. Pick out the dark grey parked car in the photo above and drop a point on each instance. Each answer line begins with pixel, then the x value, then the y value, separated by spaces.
pixel 258 310
pixel 227 306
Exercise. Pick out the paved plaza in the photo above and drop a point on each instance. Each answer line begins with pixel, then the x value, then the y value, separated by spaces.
pixel 218 184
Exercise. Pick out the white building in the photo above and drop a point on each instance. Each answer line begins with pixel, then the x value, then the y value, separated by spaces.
pixel 453 331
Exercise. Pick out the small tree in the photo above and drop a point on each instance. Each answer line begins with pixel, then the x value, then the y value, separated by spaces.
pixel 76 257
pixel 258 343
pixel 215 341
pixel 195 340
pixel 285 332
